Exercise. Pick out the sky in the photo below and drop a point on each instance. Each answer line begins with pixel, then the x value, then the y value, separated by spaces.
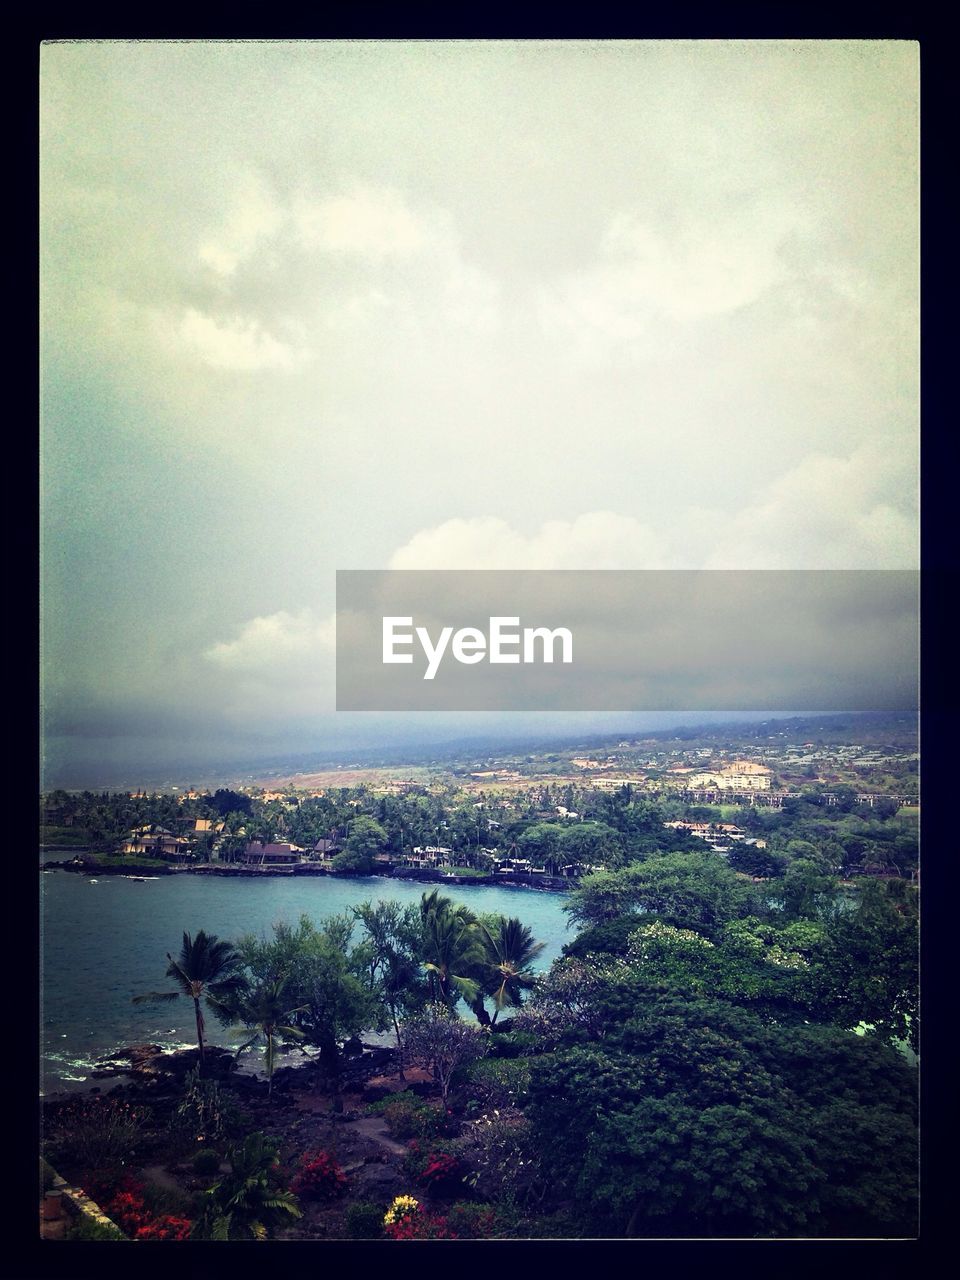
pixel 312 306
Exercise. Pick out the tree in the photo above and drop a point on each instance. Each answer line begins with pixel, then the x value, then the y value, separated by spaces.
pixel 246 1202
pixel 451 949
pixel 440 1041
pixel 391 949
pixel 265 1010
pixel 328 997
pixel 510 951
pixel 693 890
pixel 692 1117
pixel 206 969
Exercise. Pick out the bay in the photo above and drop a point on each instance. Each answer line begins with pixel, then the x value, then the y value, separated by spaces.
pixel 105 940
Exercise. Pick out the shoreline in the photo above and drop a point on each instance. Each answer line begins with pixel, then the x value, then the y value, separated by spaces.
pixel 80 865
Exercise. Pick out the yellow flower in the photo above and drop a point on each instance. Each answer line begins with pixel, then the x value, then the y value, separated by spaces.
pixel 401 1206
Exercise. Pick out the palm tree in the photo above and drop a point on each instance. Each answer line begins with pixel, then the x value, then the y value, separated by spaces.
pixel 265 1012
pixel 244 1202
pixel 510 948
pixel 451 948
pixel 205 969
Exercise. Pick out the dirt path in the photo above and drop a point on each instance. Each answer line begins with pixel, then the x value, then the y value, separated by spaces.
pixel 375 1127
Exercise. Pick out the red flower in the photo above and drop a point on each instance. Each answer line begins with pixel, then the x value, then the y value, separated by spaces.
pixel 320 1177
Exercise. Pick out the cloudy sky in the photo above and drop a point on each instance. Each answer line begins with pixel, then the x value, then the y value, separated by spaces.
pixel 315 306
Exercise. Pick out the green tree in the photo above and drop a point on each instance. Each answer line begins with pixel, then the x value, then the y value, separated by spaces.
pixel 510 949
pixel 391 951
pixel 452 949
pixel 328 996
pixel 266 1011
pixel 693 890
pixel 206 969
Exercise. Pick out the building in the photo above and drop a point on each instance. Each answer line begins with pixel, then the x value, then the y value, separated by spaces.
pixel 275 855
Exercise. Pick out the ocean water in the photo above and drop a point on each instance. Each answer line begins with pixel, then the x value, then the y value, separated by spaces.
pixel 105 940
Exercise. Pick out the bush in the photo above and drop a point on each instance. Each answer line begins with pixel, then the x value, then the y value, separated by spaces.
pixel 501 1157
pixel 472 1221
pixel 98 1133
pixel 87 1228
pixel 364 1221
pixel 206 1161
pixel 408 1116
pixel 144 1212
pixel 320 1177
pixel 203 1112
pixel 434 1164
pixel 500 1082
pixel 407 1220
pixel 168 1227
pixel 514 1044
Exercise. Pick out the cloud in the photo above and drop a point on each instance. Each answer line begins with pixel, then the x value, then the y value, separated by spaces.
pixel 255 216
pixel 828 512
pixel 857 512
pixel 276 640
pixel 712 264
pixel 594 540
pixel 236 344
pixel 373 221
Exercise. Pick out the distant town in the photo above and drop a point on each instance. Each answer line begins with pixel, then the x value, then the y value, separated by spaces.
pixel 538 817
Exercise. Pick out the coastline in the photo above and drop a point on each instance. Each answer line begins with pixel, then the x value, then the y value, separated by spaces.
pixel 88 865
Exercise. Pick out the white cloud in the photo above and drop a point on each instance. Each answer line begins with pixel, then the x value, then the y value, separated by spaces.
pixel 645 276
pixel 238 344
pixel 854 512
pixel 254 217
pixel 275 641
pixel 828 512
pixel 595 540
pixel 373 221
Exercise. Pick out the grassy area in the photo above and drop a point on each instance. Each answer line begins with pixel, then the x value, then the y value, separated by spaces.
pixel 468 873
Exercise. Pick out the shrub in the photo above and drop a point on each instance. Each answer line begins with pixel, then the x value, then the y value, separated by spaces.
pixel 472 1221
pixel 134 1208
pixel 513 1044
pixel 320 1177
pixel 87 1228
pixel 206 1161
pixel 501 1082
pixel 408 1116
pixel 499 1152
pixel 406 1220
pixel 421 1226
pixel 168 1227
pixel 364 1221
pixel 98 1133
pixel 433 1164
pixel 203 1112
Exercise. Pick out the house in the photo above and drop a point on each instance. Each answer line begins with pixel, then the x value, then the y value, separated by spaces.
pixel 272 854
pixel 156 843
pixel 326 847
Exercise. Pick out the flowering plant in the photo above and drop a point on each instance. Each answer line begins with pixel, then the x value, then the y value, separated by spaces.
pixel 129 1210
pixel 320 1177
pixel 405 1220
pixel 402 1207
pixel 168 1227
pixel 440 1168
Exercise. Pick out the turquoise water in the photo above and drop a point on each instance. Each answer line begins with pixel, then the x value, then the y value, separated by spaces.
pixel 106 940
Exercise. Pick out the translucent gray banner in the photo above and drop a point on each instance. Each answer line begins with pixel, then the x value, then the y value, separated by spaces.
pixel 596 640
